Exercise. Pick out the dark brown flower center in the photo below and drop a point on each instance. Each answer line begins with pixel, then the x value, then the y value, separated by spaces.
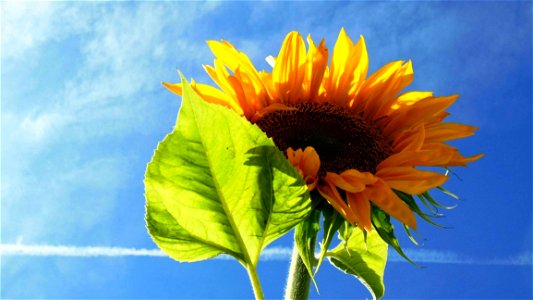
pixel 343 140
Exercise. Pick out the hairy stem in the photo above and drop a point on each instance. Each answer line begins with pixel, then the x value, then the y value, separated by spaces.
pixel 298 280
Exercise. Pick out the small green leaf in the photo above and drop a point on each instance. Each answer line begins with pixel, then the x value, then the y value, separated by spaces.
pixel 305 239
pixel 218 184
pixel 346 230
pixel 366 261
pixel 332 222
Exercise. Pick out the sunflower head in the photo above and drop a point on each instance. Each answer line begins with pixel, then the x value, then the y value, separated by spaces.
pixel 355 138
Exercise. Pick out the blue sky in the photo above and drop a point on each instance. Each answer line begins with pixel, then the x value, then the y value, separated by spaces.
pixel 82 109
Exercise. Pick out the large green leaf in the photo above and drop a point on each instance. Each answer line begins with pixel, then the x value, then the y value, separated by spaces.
pixel 366 261
pixel 218 184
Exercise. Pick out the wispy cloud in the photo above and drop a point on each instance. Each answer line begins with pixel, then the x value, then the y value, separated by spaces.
pixel 269 254
pixel 67 139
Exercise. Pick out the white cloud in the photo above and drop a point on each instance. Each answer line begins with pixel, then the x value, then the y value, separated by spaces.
pixel 27 25
pixel 56 154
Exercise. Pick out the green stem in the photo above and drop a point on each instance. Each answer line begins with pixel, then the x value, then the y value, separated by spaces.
pixel 298 281
pixel 256 285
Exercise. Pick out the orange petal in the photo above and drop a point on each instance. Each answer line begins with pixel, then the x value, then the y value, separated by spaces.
pixel 411 180
pixel 381 195
pixel 361 207
pixel 308 164
pixel 378 93
pixel 236 85
pixel 353 175
pixel 459 160
pixel 411 139
pixel 442 132
pixel 420 111
pixel 330 193
pixel 271 108
pixel 437 155
pixel 354 186
pixel 176 88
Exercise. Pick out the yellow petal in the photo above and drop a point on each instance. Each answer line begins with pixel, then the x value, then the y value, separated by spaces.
pixel 233 58
pixel 410 98
pixel 289 71
pixel 380 90
pixel 316 64
pixel 348 69
pixel 214 95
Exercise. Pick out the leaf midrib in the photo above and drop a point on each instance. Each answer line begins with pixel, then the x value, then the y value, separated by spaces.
pixel 196 237
pixel 238 237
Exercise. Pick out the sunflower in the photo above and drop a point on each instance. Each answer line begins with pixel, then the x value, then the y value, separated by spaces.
pixel 356 139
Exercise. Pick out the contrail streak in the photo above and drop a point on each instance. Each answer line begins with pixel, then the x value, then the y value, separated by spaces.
pixel 275 253
pixel 269 254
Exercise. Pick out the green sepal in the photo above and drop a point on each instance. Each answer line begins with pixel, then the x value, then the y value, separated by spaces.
pixel 410 201
pixel 447 192
pixel 385 229
pixel 305 239
pixel 332 222
pixel 363 256
pixel 427 197
pixel 217 184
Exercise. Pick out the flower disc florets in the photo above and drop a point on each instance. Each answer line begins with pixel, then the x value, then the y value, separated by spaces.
pixel 342 139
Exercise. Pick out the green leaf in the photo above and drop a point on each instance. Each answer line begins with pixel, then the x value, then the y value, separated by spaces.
pixel 332 222
pixel 218 184
pixel 366 261
pixel 305 239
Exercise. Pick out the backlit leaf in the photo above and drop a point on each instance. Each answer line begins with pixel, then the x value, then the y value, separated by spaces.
pixel 366 261
pixel 217 184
